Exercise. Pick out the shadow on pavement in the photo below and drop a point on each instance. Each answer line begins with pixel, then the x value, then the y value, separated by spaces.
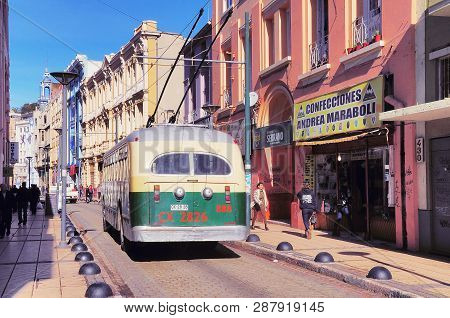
pixel 174 251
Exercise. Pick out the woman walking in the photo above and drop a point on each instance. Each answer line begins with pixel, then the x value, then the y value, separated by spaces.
pixel 260 204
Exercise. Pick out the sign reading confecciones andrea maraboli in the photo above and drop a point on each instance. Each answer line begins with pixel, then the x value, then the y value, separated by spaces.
pixel 352 109
pixel 273 135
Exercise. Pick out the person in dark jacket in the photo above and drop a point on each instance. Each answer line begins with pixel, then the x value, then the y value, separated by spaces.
pixel 6 206
pixel 308 204
pixel 34 196
pixel 14 191
pixel 22 199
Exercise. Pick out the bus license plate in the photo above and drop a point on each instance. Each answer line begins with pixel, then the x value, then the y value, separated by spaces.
pixel 179 207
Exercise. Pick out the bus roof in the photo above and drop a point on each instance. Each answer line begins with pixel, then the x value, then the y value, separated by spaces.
pixel 175 132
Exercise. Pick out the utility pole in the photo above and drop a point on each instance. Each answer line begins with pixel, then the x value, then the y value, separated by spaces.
pixel 248 164
pixel 29 171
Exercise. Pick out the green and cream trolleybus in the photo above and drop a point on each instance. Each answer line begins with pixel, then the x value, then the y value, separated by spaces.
pixel 173 183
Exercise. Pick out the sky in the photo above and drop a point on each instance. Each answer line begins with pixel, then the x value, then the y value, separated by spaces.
pixel 49 33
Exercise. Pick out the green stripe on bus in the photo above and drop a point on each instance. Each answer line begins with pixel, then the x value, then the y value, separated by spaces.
pixel 192 210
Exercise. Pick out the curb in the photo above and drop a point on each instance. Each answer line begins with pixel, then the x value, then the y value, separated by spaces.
pixel 268 251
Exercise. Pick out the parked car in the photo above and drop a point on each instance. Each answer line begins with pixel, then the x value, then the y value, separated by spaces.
pixel 71 193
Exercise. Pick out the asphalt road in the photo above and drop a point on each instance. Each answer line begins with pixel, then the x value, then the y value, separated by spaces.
pixel 162 270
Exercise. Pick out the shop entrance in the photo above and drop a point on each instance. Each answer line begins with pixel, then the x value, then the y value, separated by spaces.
pixel 440 189
pixel 342 177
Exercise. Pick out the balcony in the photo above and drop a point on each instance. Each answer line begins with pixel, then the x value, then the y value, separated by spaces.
pixel 318 62
pixel 365 28
pixel 367 43
pixel 318 53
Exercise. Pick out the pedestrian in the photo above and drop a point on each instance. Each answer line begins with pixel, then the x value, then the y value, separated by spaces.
pixel 14 191
pixel 260 204
pixel 6 206
pixel 22 199
pixel 91 192
pixel 308 204
pixel 34 197
pixel 87 194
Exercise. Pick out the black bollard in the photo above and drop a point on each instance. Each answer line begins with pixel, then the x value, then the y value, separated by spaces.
pixel 89 269
pixel 70 228
pixel 252 238
pixel 98 290
pixel 72 234
pixel 75 240
pixel 79 247
pixel 324 257
pixel 284 246
pixel 379 272
pixel 84 257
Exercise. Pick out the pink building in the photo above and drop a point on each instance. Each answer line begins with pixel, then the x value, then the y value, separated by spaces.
pixel 4 93
pixel 325 70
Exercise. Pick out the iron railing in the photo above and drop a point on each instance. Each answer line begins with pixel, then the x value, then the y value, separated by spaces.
pixel 318 53
pixel 366 27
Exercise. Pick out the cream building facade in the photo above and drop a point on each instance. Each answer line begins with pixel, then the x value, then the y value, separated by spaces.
pixel 123 93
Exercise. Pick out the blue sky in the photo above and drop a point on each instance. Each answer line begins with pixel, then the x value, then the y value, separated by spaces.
pixel 91 27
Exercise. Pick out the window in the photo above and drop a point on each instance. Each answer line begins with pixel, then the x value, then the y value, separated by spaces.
pixel 444 77
pixel 208 164
pixel 367 22
pixel 270 43
pixel 286 33
pixel 227 4
pixel 173 163
pixel 227 94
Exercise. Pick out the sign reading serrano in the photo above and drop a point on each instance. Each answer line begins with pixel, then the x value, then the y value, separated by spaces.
pixel 352 109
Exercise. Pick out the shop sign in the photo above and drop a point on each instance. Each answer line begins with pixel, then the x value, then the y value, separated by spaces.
pixel 14 152
pixel 273 135
pixel 352 109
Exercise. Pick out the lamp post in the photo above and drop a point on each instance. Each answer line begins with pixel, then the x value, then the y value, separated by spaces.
pixel 58 167
pixel 29 170
pixel 64 78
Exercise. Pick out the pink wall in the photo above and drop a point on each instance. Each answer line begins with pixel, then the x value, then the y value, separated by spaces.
pixel 397 58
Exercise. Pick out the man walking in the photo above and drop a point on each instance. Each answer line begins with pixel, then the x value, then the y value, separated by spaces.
pixel 14 202
pixel 6 202
pixel 22 198
pixel 35 194
pixel 308 205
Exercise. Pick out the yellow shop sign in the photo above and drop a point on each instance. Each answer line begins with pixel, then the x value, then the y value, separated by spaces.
pixel 352 109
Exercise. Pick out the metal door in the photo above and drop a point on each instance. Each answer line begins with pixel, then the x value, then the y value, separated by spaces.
pixel 440 189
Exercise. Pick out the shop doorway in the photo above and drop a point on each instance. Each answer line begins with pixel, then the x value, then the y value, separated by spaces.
pixel 342 176
pixel 440 189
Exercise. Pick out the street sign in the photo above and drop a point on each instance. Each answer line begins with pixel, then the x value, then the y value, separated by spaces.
pixel 14 152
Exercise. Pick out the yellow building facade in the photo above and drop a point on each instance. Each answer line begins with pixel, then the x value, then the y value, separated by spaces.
pixel 123 93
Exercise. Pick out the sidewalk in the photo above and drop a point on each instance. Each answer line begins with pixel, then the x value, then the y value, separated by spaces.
pixel 31 264
pixel 423 275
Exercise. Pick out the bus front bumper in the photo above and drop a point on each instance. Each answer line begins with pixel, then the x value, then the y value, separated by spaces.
pixel 190 234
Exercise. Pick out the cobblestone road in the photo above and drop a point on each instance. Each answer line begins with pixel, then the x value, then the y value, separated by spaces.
pixel 163 271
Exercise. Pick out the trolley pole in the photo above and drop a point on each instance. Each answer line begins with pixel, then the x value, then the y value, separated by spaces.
pixel 248 164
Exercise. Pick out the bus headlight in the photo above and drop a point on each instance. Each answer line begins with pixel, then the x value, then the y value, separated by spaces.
pixel 207 193
pixel 179 193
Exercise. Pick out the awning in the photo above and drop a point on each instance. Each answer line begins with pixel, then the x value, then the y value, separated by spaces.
pixel 423 112
pixel 374 132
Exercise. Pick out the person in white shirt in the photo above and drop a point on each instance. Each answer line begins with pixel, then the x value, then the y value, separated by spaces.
pixel 260 204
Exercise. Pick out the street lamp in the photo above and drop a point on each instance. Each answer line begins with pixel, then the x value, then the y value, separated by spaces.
pixel 58 167
pixel 64 78
pixel 29 171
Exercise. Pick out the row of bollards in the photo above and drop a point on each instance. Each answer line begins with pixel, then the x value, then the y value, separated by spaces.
pixel 377 272
pixel 95 290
